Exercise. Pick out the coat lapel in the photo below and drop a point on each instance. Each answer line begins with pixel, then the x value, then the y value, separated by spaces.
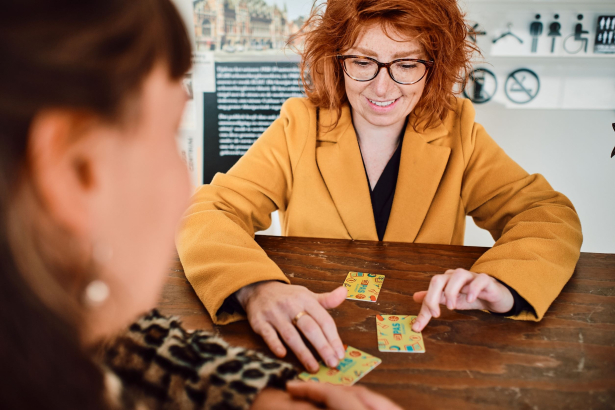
pixel 340 164
pixel 421 168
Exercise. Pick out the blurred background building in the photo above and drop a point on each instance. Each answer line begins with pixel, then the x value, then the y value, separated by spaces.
pixel 240 25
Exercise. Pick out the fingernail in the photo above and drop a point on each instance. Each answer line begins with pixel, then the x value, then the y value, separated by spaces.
pixel 341 354
pixel 470 297
pixel 313 367
pixel 332 362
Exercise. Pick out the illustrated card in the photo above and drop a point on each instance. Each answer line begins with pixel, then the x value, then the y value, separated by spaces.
pixel 350 370
pixel 395 334
pixel 363 286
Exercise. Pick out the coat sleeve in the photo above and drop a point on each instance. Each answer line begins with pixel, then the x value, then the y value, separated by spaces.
pixel 215 241
pixel 536 229
pixel 156 361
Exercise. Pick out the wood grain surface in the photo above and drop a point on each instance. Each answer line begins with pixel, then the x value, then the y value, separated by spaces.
pixel 472 359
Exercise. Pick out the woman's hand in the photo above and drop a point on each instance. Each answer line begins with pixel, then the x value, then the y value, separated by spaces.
pixel 340 397
pixel 274 399
pixel 271 307
pixel 463 290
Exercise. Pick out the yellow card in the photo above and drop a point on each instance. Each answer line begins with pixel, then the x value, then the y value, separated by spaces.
pixel 395 334
pixel 363 286
pixel 351 368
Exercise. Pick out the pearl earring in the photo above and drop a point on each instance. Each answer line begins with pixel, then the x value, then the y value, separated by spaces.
pixel 96 293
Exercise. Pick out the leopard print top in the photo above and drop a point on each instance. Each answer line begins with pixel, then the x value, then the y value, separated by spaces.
pixel 157 364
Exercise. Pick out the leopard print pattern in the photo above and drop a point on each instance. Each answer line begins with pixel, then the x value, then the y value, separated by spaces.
pixel 157 364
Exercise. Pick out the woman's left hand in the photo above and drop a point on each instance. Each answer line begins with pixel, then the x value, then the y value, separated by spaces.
pixel 463 290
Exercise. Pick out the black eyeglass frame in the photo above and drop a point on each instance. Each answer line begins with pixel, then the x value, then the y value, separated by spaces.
pixel 428 65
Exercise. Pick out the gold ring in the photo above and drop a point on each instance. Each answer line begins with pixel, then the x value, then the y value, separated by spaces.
pixel 296 318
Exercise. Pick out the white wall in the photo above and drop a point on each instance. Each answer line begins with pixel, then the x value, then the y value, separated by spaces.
pixel 572 150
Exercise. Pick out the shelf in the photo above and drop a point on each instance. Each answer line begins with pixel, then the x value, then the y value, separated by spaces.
pixel 607 6
pixel 574 3
pixel 576 57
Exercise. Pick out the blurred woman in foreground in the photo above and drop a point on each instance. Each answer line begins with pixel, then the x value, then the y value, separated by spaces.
pixel 91 189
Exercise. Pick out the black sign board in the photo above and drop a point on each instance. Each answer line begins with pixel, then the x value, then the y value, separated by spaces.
pixel 248 98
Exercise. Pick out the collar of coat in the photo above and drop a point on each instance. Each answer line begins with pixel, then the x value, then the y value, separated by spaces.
pixel 421 169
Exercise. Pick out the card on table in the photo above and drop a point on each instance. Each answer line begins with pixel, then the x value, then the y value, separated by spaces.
pixel 350 370
pixel 363 286
pixel 395 334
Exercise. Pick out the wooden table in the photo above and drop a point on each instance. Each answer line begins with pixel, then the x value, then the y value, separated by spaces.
pixel 473 359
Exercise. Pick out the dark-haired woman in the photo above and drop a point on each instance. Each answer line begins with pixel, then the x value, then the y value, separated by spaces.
pixel 380 149
pixel 91 189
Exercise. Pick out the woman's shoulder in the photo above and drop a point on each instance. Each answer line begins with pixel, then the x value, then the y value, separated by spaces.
pixel 458 127
pixel 462 115
pixel 296 125
pixel 298 108
pixel 457 130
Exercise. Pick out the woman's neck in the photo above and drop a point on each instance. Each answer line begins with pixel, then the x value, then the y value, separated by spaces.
pixel 378 144
pixel 372 136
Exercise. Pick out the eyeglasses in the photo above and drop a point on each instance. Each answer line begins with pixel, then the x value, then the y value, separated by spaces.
pixel 403 71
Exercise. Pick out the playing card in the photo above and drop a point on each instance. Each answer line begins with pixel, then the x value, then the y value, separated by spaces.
pixel 363 286
pixel 351 368
pixel 395 334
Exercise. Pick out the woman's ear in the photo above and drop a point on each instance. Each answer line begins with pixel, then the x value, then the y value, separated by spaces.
pixel 61 166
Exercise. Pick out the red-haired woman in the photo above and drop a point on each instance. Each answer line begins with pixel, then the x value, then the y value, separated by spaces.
pixel 380 149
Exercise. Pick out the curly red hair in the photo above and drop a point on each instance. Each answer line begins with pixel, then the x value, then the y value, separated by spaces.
pixel 438 26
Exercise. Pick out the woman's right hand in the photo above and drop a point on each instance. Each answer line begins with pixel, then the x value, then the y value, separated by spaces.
pixel 312 396
pixel 340 397
pixel 271 307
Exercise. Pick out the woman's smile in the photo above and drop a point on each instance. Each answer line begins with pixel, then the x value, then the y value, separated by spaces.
pixel 381 106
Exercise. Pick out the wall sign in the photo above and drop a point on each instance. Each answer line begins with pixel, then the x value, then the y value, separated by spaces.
pixel 508 33
pixel 481 86
pixel 535 32
pixel 554 32
pixel 577 37
pixel 605 35
pixel 522 86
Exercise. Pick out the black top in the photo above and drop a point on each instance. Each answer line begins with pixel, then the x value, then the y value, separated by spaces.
pixel 382 201
pixel 383 193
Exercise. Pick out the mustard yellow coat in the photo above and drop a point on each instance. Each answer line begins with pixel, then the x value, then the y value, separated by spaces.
pixel 315 177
